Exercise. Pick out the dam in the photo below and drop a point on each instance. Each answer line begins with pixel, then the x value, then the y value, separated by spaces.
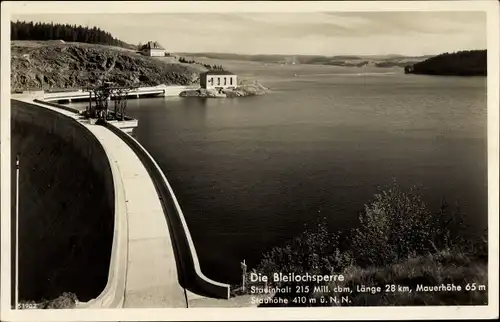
pixel 95 205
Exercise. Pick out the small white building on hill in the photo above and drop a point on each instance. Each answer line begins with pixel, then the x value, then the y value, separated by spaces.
pixel 152 48
pixel 218 79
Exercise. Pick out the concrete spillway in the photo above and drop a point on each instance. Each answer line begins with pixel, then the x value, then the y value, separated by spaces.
pixel 66 207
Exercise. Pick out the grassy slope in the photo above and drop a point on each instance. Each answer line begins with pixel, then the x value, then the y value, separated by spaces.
pixel 432 270
pixel 445 267
pixel 59 65
pixel 399 241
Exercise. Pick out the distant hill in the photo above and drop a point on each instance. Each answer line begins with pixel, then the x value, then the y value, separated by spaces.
pixel 462 63
pixel 230 56
pixel 22 30
pixel 339 60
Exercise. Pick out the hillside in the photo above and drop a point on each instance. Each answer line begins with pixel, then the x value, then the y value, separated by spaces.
pixel 462 63
pixel 401 252
pixel 60 65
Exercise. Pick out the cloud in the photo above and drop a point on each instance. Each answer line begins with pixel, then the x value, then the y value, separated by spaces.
pixel 343 24
pixel 423 22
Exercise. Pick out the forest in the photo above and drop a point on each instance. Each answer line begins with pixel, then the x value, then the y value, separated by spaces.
pixel 22 30
pixel 461 63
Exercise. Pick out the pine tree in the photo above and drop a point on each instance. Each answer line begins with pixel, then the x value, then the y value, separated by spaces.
pixel 22 30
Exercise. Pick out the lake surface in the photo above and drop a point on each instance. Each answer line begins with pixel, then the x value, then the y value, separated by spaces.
pixel 250 172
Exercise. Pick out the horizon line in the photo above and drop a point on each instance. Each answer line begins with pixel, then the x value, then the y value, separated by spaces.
pixel 322 55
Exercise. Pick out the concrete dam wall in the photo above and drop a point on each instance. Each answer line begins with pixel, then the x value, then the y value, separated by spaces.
pixel 66 206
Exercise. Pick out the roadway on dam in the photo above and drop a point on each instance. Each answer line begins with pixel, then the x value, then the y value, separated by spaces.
pixel 152 278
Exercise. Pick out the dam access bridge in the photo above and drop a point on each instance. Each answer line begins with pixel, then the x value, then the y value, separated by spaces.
pixel 133 92
pixel 154 262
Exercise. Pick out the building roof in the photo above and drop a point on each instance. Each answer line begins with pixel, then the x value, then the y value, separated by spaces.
pixel 217 72
pixel 152 45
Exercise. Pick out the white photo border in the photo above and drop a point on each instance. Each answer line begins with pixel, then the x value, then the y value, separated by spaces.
pixel 491 8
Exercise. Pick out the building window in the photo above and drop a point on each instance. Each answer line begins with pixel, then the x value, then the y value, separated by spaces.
pixel 230 81
pixel 212 81
pixel 225 81
pixel 218 80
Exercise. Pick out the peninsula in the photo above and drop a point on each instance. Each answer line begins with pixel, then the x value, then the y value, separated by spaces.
pixel 462 63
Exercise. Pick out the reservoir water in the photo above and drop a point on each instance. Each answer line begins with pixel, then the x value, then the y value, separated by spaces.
pixel 250 172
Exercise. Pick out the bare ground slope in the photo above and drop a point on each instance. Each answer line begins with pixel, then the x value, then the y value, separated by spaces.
pixel 59 65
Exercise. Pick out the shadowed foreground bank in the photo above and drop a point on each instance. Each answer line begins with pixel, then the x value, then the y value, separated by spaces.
pixel 66 206
pixel 401 254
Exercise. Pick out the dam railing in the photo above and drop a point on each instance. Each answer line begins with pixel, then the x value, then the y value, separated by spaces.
pixel 113 294
pixel 63 107
pixel 190 275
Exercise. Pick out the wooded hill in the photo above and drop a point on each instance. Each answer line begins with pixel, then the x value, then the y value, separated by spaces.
pixel 462 63
pixel 22 30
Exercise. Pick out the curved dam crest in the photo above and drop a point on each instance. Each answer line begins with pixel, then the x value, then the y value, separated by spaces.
pixel 128 218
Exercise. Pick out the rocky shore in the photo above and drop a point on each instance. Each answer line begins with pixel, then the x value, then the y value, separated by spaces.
pixel 245 88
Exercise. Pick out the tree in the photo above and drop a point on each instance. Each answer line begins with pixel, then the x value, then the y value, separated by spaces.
pixel 22 30
pixel 397 224
pixel 463 63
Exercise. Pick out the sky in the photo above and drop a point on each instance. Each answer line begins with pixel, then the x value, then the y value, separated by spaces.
pixel 327 33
